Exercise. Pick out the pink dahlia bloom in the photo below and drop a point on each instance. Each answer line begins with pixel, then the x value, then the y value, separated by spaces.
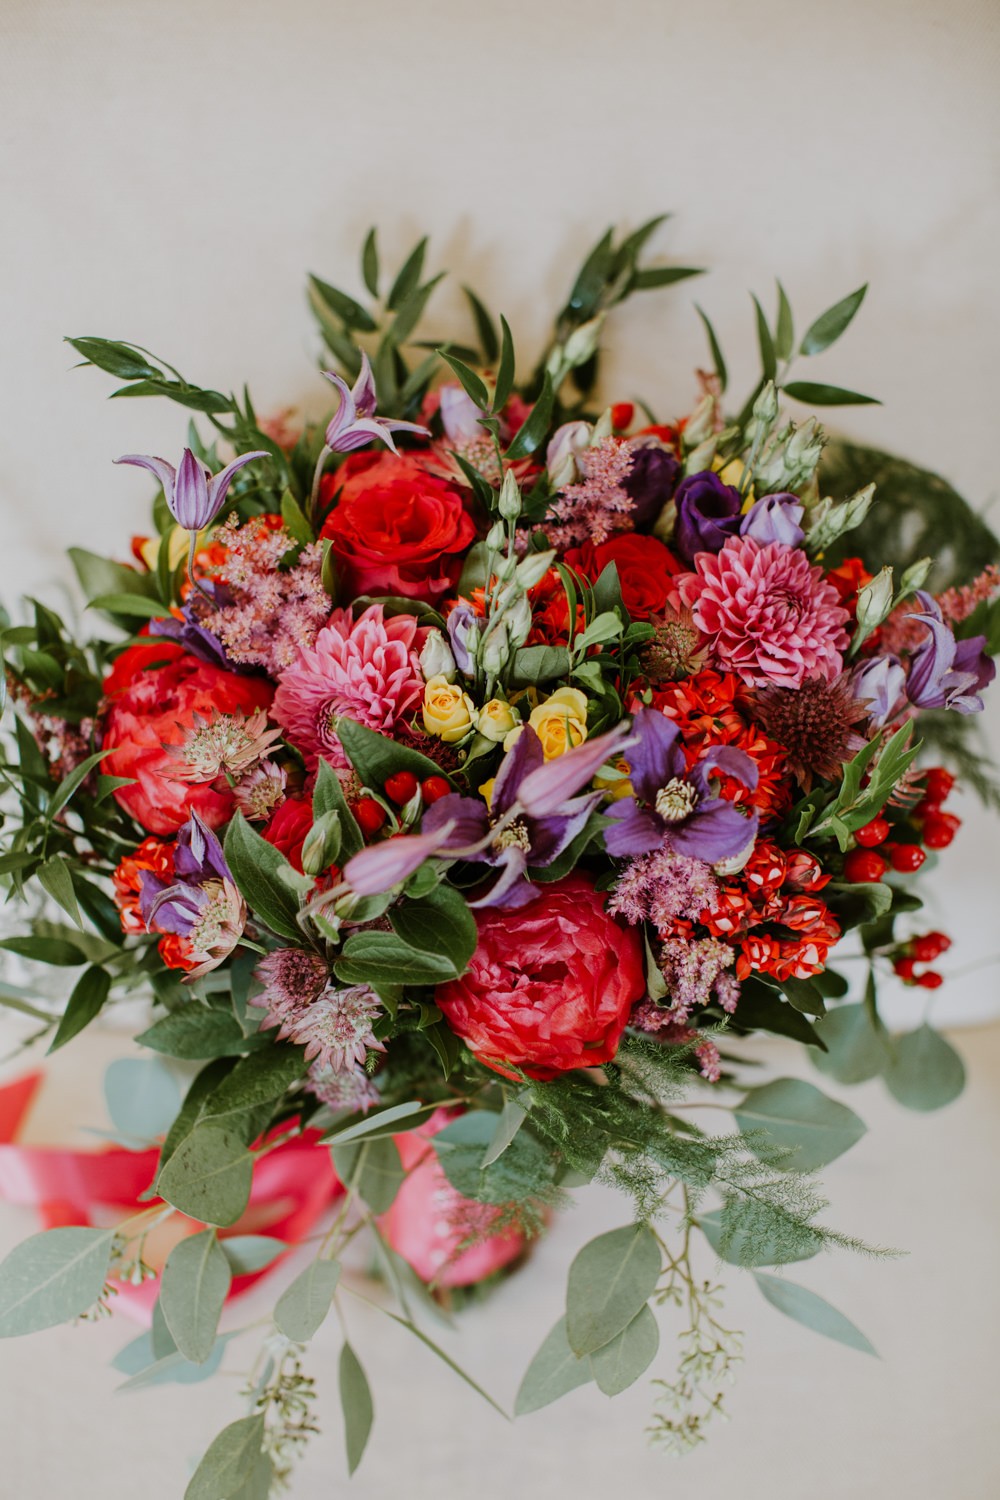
pixel 769 613
pixel 367 670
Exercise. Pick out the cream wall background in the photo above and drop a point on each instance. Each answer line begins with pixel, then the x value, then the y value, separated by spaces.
pixel 168 174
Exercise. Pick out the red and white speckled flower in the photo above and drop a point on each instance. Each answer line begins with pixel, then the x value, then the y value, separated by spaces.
pixel 770 615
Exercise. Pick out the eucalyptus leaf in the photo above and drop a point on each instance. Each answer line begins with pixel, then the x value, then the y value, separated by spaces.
pixel 303 1306
pixel 812 1311
pixel 248 1253
pixel 142 1097
pixel 356 1404
pixel 230 1462
pixel 798 1117
pixel 208 1176
pixel 373 1168
pixel 610 1279
pixel 378 1120
pixel 52 1278
pixel 196 1281
pixel 620 1362
pixel 924 1071
pixel 737 1249
pixel 856 1050
pixel 554 1372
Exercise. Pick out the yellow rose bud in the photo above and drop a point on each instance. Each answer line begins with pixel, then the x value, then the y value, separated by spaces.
pixel 732 473
pixel 614 781
pixel 448 712
pixel 496 719
pixel 561 721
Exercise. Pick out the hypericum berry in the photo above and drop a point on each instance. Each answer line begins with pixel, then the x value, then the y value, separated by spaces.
pixel 875 832
pixel 906 858
pixel 938 783
pixel 904 968
pixel 401 787
pixel 930 979
pixel 864 867
pixel 939 829
pixel 621 415
pixel 434 788
pixel 370 816
pixel 929 947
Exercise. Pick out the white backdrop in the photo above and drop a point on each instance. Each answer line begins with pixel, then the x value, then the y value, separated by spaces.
pixel 169 172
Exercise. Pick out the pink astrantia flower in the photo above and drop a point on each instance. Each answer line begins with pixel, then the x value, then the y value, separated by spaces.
pixel 769 613
pixel 367 670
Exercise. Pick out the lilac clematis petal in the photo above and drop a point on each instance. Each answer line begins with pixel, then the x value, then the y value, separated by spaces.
pixel 880 684
pixel 971 662
pixel 190 504
pixel 712 832
pixel 656 755
pixel 379 868
pixel 363 393
pixel 931 663
pixel 634 829
pixel 545 790
pixel 511 865
pixel 198 854
pixel 551 835
pixel 165 473
pixel 465 817
pixel 524 756
pixel 728 760
pixel 218 486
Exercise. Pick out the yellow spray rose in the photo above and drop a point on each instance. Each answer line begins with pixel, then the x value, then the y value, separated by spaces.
pixel 733 473
pixel 560 722
pixel 496 719
pixel 448 712
pixel 178 543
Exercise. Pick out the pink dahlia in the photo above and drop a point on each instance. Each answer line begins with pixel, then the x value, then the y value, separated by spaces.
pixel 769 613
pixel 367 670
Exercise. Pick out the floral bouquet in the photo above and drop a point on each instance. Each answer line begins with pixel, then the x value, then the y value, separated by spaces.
pixel 461 779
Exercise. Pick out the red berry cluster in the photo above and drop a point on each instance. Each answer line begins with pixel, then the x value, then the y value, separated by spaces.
pixel 922 950
pixel 399 789
pixel 875 852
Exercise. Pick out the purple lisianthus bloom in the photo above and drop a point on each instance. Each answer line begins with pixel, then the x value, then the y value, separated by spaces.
pixel 203 904
pixel 651 481
pixel 945 673
pixel 675 808
pixel 194 495
pixel 708 514
pixel 775 518
pixel 354 424
pixel 460 416
pixel 880 684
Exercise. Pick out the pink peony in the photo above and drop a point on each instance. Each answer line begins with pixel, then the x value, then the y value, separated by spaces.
pixel 769 613
pixel 367 670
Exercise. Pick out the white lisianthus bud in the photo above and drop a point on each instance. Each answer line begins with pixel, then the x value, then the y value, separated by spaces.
pixel 603 427
pixel 874 602
pixel 436 658
pixel 509 504
pixel 582 342
pixel 518 619
pixel 496 536
pixel 569 440
pixel 533 568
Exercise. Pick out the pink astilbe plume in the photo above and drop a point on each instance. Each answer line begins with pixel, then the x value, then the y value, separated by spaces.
pixel 599 506
pixel 269 613
pixel 367 670
pixel 663 887
pixel 957 604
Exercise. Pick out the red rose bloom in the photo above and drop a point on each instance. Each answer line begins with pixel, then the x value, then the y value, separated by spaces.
pixel 288 828
pixel 550 986
pixel 396 529
pixel 646 569
pixel 155 693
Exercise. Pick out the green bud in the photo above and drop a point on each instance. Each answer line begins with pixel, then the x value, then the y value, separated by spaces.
pixel 322 843
pixel 509 504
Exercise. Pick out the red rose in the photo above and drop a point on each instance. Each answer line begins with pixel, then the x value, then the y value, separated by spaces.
pixel 550 985
pixel 646 570
pixel 288 828
pixel 396 529
pixel 155 694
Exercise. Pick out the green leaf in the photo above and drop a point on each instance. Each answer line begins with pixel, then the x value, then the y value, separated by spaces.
pixel 123 361
pixel 231 1461
pixel 484 326
pixel 812 1311
pixel 512 1117
pixel 469 381
pixel 247 1253
pixel 554 1372
pixel 799 1117
pixel 784 336
pixel 328 797
pixel 856 1051
pixel 196 1281
pixel 738 1250
pixel 52 1277
pixel 924 1072
pixel 805 996
pixel 256 867
pixel 656 276
pixel 350 313
pixel 536 425
pixel 356 1404
pixel 515 1174
pixel 142 1096
pixel 620 1363
pixel 369 262
pixel 409 275
pixel 831 324
pixel 373 1168
pixel 826 395
pixel 762 1009
pixel 376 758
pixel 713 344
pixel 129 604
pixel 505 370
pixel 143 1369
pixel 439 923
pixel 536 664
pixel 259 1079
pixel 294 519
pixel 45 951
pixel 194 1031
pixel 99 575
pixel 85 1002
pixel 768 358
pixel 190 1111
pixel 409 315
pixel 378 1120
pixel 302 1307
pixel 382 958
pixel 208 1176
pixel 610 1279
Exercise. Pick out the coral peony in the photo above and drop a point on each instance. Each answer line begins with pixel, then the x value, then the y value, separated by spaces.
pixel 550 986
pixel 396 529
pixel 157 695
pixel 367 670
pixel 771 616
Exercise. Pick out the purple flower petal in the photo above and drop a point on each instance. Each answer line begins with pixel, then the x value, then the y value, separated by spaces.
pixel 524 756
pixel 655 756
pixel 545 790
pixel 511 864
pixel 714 831
pixel 465 817
pixel 379 868
pixel 728 760
pixel 775 518
pixel 164 472
pixel 218 486
pixel 634 829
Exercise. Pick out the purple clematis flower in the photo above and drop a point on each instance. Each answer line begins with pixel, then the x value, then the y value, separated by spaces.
pixel 519 843
pixel 354 424
pixel 203 905
pixel 193 493
pixel 675 808
pixel 945 673
pixel 192 635
pixel 880 684
pixel 775 518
